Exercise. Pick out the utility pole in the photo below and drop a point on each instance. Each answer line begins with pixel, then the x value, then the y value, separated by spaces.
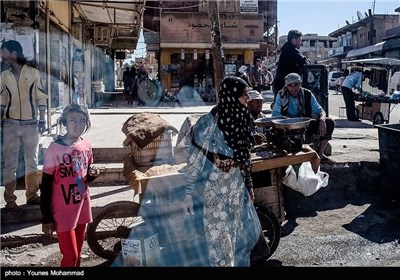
pixel 218 64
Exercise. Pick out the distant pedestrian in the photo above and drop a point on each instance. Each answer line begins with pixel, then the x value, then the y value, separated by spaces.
pixel 67 170
pixel 243 74
pixel 23 105
pixel 268 78
pixel 256 75
pixel 128 79
pixel 351 81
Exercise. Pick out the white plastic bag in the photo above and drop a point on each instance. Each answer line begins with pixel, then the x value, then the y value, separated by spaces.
pixel 307 182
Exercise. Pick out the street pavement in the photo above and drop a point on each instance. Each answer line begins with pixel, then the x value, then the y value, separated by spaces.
pixel 352 142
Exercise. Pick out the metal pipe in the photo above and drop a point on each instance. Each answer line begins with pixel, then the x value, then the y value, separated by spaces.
pixel 48 67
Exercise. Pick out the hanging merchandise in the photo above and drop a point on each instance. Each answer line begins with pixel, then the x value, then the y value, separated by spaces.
pixel 182 54
pixel 207 54
pixel 194 54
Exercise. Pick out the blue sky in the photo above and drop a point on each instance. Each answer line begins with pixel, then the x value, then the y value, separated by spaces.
pixel 323 17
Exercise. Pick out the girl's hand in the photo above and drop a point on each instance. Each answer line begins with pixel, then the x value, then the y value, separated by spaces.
pixel 48 229
pixel 94 171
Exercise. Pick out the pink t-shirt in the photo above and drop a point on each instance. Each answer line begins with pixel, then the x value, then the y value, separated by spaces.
pixel 70 202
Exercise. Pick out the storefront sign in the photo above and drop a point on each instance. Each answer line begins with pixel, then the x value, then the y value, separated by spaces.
pixel 249 6
pixel 183 27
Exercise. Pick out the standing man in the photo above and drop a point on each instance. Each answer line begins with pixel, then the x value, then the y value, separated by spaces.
pixel 256 75
pixel 291 60
pixel 21 99
pixel 268 77
pixel 351 81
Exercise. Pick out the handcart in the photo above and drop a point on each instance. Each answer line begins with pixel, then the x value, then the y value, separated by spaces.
pixel 164 195
pixel 375 103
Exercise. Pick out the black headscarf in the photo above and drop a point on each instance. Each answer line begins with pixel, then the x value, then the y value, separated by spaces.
pixel 234 118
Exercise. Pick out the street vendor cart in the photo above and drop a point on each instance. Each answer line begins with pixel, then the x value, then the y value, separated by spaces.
pixel 377 100
pixel 161 196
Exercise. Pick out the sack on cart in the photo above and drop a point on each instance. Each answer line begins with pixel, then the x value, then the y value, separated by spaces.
pixel 304 180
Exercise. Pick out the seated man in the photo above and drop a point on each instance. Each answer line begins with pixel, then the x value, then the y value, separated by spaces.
pixel 295 101
pixel 255 106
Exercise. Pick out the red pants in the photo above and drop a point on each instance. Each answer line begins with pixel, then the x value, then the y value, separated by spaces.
pixel 71 243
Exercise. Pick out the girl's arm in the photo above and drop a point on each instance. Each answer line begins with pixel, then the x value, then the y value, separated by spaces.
pixel 45 198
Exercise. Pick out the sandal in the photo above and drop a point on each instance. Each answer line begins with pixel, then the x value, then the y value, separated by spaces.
pixel 328 161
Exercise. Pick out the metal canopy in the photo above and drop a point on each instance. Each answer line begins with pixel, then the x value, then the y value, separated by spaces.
pixel 383 61
pixel 366 50
pixel 116 23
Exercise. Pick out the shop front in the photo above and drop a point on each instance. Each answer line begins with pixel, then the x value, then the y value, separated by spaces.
pixel 185 47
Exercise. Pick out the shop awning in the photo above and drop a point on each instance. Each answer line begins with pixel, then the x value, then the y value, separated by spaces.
pixel 190 45
pixel 366 50
pixel 391 44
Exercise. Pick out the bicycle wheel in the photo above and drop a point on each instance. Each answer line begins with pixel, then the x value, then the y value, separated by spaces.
pixel 271 229
pixel 150 92
pixel 113 222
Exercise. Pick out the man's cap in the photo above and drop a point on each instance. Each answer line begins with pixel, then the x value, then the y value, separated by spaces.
pixel 292 78
pixel 258 59
pixel 254 94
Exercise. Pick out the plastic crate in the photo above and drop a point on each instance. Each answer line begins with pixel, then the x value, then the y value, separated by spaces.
pixel 159 151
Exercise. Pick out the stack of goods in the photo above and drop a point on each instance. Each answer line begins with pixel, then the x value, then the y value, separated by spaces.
pixel 150 139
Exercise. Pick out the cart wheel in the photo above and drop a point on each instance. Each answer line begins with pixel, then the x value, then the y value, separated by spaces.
pixel 113 222
pixel 378 118
pixel 150 92
pixel 271 229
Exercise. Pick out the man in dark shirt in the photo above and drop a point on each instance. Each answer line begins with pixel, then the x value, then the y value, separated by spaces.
pixel 291 60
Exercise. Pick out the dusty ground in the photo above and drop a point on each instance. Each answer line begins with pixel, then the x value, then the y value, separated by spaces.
pixel 351 222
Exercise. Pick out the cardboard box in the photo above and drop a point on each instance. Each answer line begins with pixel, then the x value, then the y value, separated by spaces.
pixel 141 251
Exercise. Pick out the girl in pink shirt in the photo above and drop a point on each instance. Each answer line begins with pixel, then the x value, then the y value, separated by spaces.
pixel 65 199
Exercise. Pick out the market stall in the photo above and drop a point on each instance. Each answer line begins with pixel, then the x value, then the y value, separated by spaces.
pixel 379 93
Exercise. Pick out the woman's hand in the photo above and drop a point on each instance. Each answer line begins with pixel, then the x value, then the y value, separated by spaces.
pixel 251 194
pixel 188 205
pixel 48 229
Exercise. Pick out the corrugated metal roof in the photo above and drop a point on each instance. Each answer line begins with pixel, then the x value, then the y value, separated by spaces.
pixel 366 50
pixel 122 17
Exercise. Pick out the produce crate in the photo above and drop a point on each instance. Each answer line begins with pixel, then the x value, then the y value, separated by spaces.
pixel 159 151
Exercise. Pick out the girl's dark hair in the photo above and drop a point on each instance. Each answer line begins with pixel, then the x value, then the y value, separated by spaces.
pixel 15 46
pixel 75 108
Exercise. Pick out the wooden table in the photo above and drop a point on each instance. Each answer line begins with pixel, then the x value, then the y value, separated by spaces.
pixel 270 195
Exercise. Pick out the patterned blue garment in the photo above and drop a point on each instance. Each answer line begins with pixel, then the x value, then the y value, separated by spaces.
pixel 218 175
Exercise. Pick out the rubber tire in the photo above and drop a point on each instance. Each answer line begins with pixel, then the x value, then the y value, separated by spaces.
pixel 150 92
pixel 378 118
pixel 272 230
pixel 118 209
